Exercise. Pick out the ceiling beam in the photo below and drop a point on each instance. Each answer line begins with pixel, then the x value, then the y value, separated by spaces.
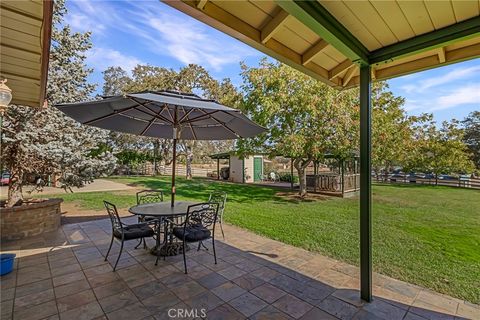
pixel 335 72
pixel 273 25
pixel 319 20
pixel 46 42
pixel 201 4
pixel 435 39
pixel 313 51
pixel 225 22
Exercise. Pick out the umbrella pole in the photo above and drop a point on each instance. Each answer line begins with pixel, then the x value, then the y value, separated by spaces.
pixel 173 171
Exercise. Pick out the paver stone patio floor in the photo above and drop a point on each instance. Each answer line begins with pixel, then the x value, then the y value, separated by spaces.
pixel 62 275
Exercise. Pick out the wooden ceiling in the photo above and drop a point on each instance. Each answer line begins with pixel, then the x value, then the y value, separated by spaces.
pixel 443 32
pixel 25 45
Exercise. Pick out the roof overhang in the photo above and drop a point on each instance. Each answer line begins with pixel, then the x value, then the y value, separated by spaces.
pixel 329 40
pixel 218 156
pixel 25 46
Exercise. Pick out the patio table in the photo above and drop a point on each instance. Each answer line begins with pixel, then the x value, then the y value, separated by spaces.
pixel 162 211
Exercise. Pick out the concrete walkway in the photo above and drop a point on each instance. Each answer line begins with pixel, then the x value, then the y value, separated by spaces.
pixel 63 275
pixel 97 185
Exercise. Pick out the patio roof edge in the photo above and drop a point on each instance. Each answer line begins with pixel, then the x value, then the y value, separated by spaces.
pixel 435 39
pixel 318 19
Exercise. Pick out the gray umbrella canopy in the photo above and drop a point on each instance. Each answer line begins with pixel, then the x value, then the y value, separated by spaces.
pixel 155 114
pixel 164 114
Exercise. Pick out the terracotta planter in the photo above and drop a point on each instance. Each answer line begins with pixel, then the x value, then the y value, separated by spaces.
pixel 30 219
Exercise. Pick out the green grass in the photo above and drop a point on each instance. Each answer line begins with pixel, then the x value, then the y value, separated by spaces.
pixel 424 235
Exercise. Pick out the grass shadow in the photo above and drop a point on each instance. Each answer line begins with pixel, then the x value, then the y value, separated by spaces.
pixel 200 188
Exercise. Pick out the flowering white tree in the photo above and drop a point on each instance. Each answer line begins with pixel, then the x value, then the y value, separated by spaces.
pixel 44 141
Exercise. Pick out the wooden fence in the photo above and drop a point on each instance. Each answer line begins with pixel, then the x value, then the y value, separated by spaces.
pixel 462 182
pixel 333 182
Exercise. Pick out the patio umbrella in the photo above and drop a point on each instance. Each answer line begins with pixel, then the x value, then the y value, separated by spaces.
pixel 164 114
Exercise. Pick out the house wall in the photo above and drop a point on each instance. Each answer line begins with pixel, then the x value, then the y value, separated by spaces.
pixel 236 174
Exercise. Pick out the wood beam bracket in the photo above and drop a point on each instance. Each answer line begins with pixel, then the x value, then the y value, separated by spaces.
pixel 348 76
pixel 441 55
pixel 201 4
pixel 335 72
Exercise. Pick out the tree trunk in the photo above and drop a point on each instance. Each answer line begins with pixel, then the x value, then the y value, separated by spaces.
pixel 15 196
pixel 189 163
pixel 301 164
pixel 302 177
pixel 156 146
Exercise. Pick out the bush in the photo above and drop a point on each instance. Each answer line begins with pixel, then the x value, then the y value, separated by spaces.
pixel 287 177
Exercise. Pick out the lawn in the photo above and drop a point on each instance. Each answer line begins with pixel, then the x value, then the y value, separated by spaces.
pixel 424 235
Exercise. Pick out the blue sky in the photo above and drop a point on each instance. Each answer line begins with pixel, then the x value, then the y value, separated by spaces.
pixel 150 32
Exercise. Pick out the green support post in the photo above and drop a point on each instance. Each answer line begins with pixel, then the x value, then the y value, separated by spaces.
pixel 365 184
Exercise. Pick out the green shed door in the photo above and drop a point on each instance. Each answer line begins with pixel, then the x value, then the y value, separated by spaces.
pixel 257 169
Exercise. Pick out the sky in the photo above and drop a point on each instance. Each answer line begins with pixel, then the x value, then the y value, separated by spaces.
pixel 150 32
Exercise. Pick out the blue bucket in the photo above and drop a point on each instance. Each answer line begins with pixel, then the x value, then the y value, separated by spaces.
pixel 7 260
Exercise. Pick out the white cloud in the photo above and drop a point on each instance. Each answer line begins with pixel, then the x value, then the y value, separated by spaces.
pixel 102 58
pixel 449 77
pixel 189 43
pixel 455 98
pixel 161 31
pixel 82 23
pixel 465 95
pixel 411 105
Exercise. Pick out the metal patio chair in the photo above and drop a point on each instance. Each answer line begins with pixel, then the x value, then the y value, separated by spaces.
pixel 219 197
pixel 148 196
pixel 198 226
pixel 124 232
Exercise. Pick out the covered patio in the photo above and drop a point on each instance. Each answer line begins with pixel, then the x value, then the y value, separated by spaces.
pixel 351 43
pixel 64 275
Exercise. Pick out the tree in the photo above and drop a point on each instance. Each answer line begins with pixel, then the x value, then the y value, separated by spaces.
pixel 189 79
pixel 115 80
pixel 44 141
pixel 442 150
pixel 305 118
pixel 471 138
pixel 392 131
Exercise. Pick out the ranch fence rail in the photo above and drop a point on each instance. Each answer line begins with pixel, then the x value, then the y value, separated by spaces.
pixel 461 182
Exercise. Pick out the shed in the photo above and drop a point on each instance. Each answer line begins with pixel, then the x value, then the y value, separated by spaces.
pixel 246 169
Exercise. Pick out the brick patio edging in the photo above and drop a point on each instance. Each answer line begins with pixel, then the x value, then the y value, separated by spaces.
pixel 30 220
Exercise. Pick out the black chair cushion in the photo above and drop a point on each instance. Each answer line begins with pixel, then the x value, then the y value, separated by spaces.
pixel 193 233
pixel 134 231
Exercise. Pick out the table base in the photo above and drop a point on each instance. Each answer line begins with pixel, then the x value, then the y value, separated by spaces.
pixel 168 250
